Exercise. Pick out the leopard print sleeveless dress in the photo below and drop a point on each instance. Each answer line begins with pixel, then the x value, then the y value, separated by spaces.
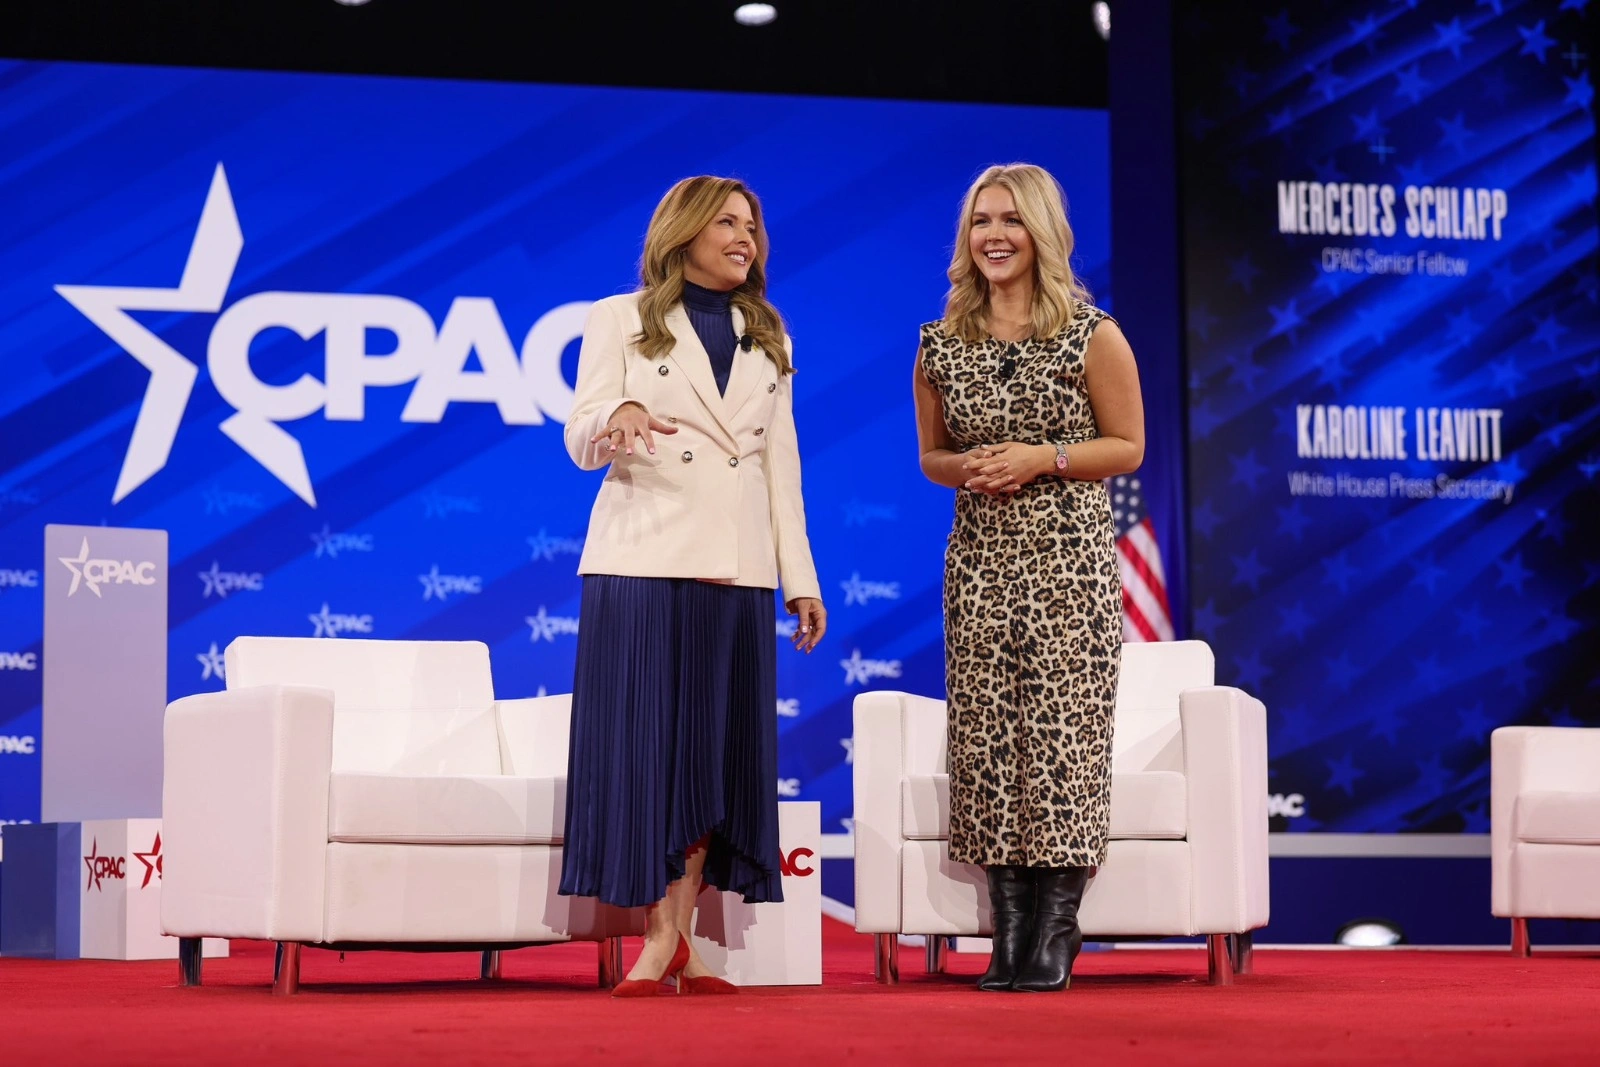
pixel 1033 612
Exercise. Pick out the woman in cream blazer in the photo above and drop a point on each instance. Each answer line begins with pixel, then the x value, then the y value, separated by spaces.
pixel 684 395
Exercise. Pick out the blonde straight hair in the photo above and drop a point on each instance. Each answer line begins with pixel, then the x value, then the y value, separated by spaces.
pixel 1057 291
pixel 689 207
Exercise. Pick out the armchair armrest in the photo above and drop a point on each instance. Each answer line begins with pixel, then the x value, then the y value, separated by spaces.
pixel 877 767
pixel 1524 758
pixel 534 735
pixel 1225 766
pixel 245 813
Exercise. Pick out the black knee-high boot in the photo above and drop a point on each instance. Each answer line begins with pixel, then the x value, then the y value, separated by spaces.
pixel 1011 900
pixel 1056 936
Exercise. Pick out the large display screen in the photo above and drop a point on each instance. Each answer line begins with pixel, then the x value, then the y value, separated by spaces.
pixel 1394 422
pixel 322 329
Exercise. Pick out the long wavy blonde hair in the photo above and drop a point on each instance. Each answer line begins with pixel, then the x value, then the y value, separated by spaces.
pixel 689 207
pixel 1057 291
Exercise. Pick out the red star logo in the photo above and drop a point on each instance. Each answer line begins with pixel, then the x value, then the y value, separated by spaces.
pixel 152 861
pixel 89 862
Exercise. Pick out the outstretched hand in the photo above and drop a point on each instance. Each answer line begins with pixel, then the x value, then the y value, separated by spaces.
pixel 632 421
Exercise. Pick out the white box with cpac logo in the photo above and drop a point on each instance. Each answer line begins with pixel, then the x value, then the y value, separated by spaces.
pixel 120 911
pixel 771 944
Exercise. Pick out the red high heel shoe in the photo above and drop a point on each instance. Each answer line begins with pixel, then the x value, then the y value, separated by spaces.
pixel 706 984
pixel 646 987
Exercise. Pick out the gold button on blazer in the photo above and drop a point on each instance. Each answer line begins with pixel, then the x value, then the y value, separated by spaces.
pixel 738 518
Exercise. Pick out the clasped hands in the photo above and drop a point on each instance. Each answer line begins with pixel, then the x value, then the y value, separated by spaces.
pixel 1003 469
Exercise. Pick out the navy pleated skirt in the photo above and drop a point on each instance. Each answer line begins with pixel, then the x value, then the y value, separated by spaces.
pixel 674 737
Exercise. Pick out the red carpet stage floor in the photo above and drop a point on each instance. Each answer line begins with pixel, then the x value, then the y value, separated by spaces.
pixel 1127 1006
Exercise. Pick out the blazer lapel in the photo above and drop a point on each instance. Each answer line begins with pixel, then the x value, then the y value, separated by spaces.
pixel 746 373
pixel 689 356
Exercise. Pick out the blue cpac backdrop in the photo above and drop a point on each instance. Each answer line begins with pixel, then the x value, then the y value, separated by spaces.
pixel 470 216
pixel 1395 390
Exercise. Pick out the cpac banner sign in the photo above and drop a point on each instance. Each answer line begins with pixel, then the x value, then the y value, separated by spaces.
pixel 105 671
pixel 524 387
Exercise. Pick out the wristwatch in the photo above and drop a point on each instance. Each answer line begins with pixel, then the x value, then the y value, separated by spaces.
pixel 1061 459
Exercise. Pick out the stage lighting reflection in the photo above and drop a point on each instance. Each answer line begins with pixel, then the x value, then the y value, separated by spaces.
pixel 754 14
pixel 1370 933
pixel 1102 20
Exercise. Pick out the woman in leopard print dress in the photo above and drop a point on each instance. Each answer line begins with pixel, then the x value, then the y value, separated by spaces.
pixel 1027 400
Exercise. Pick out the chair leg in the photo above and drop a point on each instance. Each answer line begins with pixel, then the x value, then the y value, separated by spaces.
pixel 1520 945
pixel 1243 950
pixel 1218 963
pixel 938 949
pixel 489 970
pixel 286 969
pixel 886 960
pixel 610 962
pixel 189 957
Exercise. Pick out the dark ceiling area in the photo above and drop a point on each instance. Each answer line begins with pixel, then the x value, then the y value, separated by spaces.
pixel 1044 52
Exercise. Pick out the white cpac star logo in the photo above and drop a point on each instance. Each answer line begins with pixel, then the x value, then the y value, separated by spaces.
pixel 212 257
pixel 547 548
pixel 75 565
pixel 849 744
pixel 220 583
pixel 92 572
pixel 858 671
pixel 547 627
pixel 212 664
pixel 436 585
pixel 333 624
pixel 857 591
pixel 433 357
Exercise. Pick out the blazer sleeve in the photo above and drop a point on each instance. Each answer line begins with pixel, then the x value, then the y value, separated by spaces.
pixel 795 568
pixel 601 386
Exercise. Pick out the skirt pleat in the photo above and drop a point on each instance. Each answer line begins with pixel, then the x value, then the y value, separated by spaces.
pixel 674 739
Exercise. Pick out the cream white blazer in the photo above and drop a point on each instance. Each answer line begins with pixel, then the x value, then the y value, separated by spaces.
pixel 720 499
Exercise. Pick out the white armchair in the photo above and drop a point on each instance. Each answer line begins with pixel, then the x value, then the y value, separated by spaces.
pixel 1188 851
pixel 1544 825
pixel 351 794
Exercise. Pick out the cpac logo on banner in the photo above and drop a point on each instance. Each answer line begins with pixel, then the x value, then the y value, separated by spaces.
pixel 331 624
pixel 93 572
pixel 859 671
pixel 213 664
pixel 221 583
pixel 789 863
pixel 857 591
pixel 153 863
pixel 436 585
pixel 101 867
pixel 525 390
pixel 547 627
pixel 18 746
pixel 1292 806
pixel 330 544
pixel 10 579
pixel 547 548
pixel 19 661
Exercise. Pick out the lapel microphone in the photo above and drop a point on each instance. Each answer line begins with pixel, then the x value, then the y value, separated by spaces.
pixel 1008 365
pixel 747 342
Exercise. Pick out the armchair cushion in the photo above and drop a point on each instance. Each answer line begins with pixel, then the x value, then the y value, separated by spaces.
pixel 1145 805
pixel 446 809
pixel 1554 818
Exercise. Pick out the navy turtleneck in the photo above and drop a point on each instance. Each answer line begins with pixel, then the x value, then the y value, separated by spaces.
pixel 711 315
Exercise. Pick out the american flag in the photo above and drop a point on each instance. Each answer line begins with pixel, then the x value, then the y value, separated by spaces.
pixel 1146 616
